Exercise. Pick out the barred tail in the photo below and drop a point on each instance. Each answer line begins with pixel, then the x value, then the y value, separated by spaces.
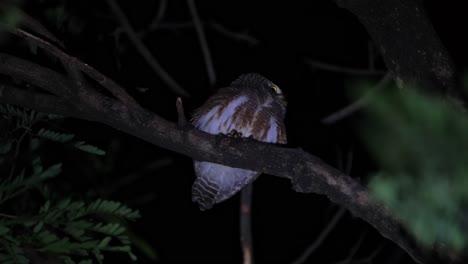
pixel 205 193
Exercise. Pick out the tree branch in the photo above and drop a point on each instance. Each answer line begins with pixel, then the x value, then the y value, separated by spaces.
pixel 309 175
pixel 107 83
pixel 408 43
pixel 412 52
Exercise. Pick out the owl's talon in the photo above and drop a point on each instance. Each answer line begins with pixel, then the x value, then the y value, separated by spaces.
pixel 234 134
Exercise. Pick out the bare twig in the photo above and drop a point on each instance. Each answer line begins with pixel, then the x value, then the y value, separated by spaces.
pixel 358 104
pixel 369 258
pixel 8 216
pixel 119 184
pixel 160 15
pixel 144 51
pixel 203 43
pixel 244 37
pixel 222 30
pixel 340 69
pixel 31 23
pixel 311 249
pixel 246 224
pixel 353 250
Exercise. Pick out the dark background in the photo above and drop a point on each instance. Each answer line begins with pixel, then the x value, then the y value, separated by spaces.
pixel 158 182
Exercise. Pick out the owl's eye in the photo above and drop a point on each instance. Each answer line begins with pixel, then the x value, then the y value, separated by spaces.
pixel 276 89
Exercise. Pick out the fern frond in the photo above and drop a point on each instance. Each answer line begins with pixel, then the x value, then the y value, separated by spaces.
pixel 55 136
pixel 83 146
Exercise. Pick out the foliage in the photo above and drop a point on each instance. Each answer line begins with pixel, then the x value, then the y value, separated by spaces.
pixel 65 138
pixel 421 144
pixel 37 225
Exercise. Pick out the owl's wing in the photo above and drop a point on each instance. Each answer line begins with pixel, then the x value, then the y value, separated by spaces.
pixel 216 183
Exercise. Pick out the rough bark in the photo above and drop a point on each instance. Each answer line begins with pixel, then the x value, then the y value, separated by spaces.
pixel 408 43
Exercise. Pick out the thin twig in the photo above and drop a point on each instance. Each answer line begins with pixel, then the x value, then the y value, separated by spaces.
pixel 244 37
pixel 144 51
pixel 31 23
pixel 337 216
pixel 358 104
pixel 107 83
pixel 340 69
pixel 353 250
pixel 222 30
pixel 160 15
pixel 8 216
pixel 369 258
pixel 311 249
pixel 132 177
pixel 246 225
pixel 203 43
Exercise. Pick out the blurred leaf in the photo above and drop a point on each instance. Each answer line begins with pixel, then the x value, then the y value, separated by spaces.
pixel 421 144
pixel 10 16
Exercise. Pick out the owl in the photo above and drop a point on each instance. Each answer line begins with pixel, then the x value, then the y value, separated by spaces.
pixel 252 106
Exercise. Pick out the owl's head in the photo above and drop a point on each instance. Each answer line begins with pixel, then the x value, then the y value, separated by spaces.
pixel 256 84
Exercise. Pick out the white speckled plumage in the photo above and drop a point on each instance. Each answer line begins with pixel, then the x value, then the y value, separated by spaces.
pixel 250 107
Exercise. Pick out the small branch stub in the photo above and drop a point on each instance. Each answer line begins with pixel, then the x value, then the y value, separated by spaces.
pixel 181 119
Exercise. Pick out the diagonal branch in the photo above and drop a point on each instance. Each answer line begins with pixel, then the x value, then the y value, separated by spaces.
pixel 109 84
pixel 324 234
pixel 30 72
pixel 310 175
pixel 203 43
pixel 314 64
pixel 358 104
pixel 413 53
pixel 51 104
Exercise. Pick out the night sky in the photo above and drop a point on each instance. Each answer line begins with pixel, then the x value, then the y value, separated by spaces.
pixel 282 37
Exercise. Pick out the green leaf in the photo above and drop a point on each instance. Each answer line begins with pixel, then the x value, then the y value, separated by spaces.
pixel 45 207
pixel 38 227
pixel 55 136
pixel 104 242
pixel 81 145
pixel 52 171
pixel 421 145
